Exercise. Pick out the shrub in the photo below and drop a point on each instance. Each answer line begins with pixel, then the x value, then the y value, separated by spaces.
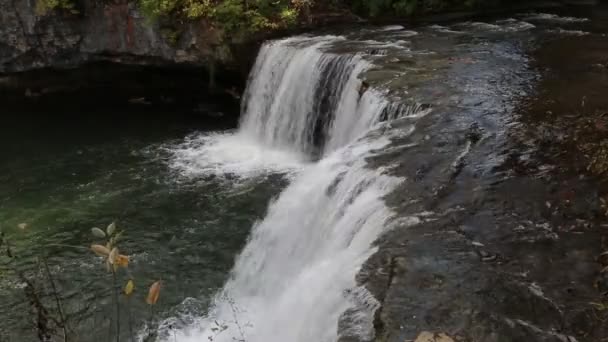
pixel 44 7
pixel 235 17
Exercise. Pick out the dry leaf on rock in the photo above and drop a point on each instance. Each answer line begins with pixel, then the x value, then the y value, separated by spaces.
pixel 426 336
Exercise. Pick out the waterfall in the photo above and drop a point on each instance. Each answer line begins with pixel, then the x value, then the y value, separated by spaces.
pixel 301 103
pixel 295 278
pixel 306 100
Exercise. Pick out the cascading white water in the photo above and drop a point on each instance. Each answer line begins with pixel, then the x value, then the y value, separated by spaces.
pixel 289 282
pixel 296 276
pixel 299 94
pixel 301 103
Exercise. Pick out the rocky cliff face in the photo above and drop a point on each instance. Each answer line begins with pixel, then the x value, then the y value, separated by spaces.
pixel 114 31
pixel 107 50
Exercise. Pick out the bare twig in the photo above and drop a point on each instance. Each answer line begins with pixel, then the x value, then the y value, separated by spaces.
pixel 57 300
pixel 130 319
pixel 236 320
pixel 44 331
pixel 116 300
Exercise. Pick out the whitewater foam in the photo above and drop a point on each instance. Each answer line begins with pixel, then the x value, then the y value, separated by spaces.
pixel 301 103
pixel 548 17
pixel 292 281
pixel 230 154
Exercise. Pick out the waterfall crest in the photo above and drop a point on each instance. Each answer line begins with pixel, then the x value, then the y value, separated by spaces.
pixel 306 100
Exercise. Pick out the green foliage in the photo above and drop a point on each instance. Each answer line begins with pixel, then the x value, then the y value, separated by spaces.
pixel 405 7
pixel 197 9
pixel 44 7
pixel 171 36
pixel 231 15
pixel 289 15
pixel 235 17
pixel 238 18
pixel 156 8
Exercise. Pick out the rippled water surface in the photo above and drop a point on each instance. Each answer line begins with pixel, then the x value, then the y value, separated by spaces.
pixel 62 175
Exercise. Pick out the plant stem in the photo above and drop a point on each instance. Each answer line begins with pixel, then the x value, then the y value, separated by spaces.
pixel 115 289
pixel 57 300
pixel 130 319
pixel 236 320
pixel 151 317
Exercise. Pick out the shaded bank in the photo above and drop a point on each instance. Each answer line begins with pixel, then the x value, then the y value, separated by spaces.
pixel 178 91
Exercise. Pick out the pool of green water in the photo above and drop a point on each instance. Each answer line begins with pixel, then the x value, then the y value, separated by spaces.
pixel 63 173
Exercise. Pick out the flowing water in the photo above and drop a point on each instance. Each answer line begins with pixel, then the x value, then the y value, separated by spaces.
pixel 257 233
pixel 305 253
pixel 296 277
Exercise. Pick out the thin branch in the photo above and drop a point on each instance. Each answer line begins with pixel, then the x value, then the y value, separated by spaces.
pixel 57 300
pixel 130 319
pixel 236 320
pixel 44 332
pixel 116 299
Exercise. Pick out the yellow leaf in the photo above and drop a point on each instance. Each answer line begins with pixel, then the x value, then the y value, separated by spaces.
pixel 153 293
pixel 113 256
pixel 22 226
pixel 129 287
pixel 100 250
pixel 122 260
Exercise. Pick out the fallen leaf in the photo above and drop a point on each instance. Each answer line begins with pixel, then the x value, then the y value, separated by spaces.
pixel 153 293
pixel 426 336
pixel 22 226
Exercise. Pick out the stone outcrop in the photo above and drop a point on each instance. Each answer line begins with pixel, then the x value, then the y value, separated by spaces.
pixel 114 31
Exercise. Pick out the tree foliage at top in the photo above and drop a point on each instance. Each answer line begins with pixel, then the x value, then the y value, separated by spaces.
pixel 231 15
pixel 247 16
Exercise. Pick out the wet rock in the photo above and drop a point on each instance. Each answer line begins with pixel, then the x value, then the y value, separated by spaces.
pixel 377 52
pixel 114 31
pixel 475 133
pixel 603 259
pixel 601 283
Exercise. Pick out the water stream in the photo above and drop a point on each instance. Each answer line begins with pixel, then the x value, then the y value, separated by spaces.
pixel 304 255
